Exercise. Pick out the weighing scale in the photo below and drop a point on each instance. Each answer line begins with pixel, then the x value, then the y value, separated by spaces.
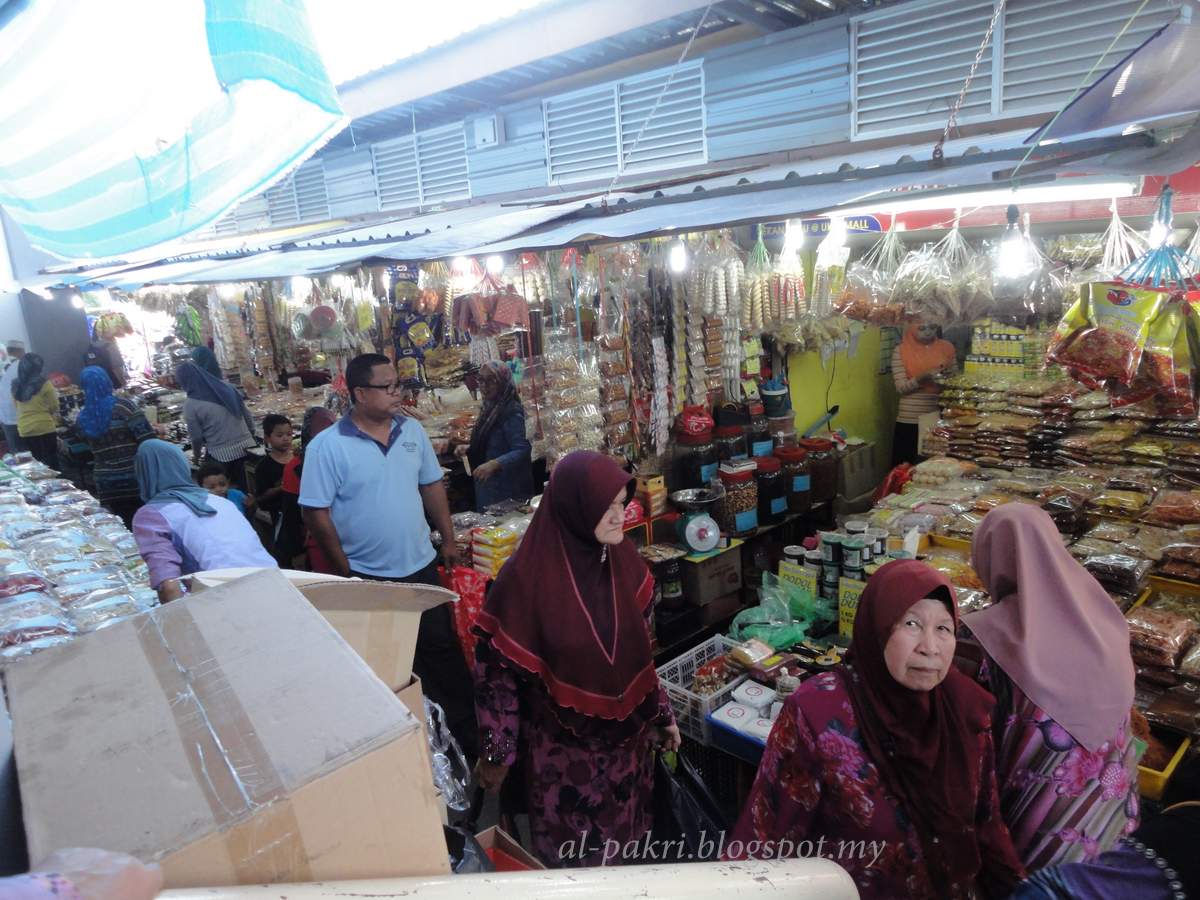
pixel 696 528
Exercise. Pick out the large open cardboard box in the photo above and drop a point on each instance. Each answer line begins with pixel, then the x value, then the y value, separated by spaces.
pixel 234 737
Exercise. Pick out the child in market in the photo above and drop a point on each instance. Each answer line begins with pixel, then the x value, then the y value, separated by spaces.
pixel 268 474
pixel 213 478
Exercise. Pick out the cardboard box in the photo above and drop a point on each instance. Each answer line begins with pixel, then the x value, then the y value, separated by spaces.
pixel 496 838
pixel 232 736
pixel 713 576
pixel 721 608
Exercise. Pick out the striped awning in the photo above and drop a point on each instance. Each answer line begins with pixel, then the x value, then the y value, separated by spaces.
pixel 127 123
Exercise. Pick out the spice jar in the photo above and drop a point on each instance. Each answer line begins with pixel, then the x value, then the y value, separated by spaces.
pixel 695 460
pixel 758 432
pixel 796 478
pixel 782 430
pixel 730 441
pixel 772 492
pixel 822 465
pixel 737 512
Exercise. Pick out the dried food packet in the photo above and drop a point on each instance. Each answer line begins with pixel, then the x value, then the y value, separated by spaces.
pixel 1158 638
pixel 1103 335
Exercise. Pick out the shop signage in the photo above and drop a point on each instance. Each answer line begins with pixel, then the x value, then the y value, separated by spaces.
pixel 794 573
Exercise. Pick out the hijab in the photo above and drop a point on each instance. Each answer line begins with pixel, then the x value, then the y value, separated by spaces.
pixel 207 360
pixel 99 401
pixel 200 385
pixel 920 359
pixel 164 476
pixel 569 611
pixel 29 378
pixel 489 414
pixel 1052 630
pixel 924 743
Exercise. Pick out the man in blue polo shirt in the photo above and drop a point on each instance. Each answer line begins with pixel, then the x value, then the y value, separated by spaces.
pixel 368 484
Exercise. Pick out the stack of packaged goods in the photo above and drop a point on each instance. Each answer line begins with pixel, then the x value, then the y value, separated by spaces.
pixel 571 418
pixel 491 548
pixel 1003 439
pixel 1163 639
pixel 652 494
pixel 614 401
pixel 66 566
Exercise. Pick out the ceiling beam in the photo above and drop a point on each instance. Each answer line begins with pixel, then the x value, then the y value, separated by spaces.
pixel 747 12
pixel 541 32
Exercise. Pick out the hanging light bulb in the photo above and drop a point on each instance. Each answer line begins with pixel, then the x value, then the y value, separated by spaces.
pixel 1013 256
pixel 301 287
pixel 461 265
pixel 793 237
pixel 1160 234
pixel 677 258
pixel 77 301
pixel 495 265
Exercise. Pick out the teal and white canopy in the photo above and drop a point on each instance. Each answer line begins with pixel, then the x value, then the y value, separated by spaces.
pixel 126 123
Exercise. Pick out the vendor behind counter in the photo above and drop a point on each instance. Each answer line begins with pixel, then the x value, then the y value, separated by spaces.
pixel 499 453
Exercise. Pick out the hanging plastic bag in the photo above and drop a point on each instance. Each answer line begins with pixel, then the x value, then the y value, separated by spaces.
pixel 1103 335
pixel 867 295
pixel 470 585
pixel 685 810
pixel 450 772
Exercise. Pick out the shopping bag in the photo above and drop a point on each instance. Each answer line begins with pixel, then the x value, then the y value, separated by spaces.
pixel 471 587
pixel 685 810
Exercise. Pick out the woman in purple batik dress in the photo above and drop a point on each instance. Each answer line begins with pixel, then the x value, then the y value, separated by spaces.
pixel 565 679
pixel 1056 657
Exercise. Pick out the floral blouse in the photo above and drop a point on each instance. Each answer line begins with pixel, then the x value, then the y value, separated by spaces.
pixel 818 791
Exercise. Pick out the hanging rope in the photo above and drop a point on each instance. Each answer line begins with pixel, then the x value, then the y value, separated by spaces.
pixel 938 152
pixel 1087 79
pixel 624 158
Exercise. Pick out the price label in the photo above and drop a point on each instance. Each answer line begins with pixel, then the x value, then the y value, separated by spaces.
pixel 796 574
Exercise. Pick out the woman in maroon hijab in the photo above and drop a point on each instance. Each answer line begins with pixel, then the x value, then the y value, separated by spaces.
pixel 885 764
pixel 1056 656
pixel 565 680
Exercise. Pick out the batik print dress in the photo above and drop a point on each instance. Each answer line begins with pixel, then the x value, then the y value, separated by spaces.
pixel 588 781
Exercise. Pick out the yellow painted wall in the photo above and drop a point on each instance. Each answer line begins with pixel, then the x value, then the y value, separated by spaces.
pixel 867 400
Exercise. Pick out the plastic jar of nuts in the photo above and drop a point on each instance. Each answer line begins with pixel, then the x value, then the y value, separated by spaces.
pixel 737 512
pixel 796 478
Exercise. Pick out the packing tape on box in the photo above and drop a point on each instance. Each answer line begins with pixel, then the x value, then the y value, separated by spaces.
pixel 241 785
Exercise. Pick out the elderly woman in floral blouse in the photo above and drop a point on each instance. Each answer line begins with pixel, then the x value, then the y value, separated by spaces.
pixel 885 765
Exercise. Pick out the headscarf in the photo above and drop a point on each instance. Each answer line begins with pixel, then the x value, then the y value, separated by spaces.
pixel 164 476
pixel 924 743
pixel 489 414
pixel 1053 630
pixel 99 401
pixel 920 359
pixel 200 385
pixel 207 360
pixel 29 378
pixel 570 612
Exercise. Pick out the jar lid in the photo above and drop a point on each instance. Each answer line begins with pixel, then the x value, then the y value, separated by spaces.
pixel 816 445
pixel 725 431
pixel 694 440
pixel 791 454
pixel 767 464
pixel 734 476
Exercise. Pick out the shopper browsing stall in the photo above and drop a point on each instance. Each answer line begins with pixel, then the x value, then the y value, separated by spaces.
pixel 368 484
pixel 8 406
pixel 1057 660
pixel 292 539
pixel 207 360
pixel 183 529
pixel 219 425
pixel 893 749
pixel 916 362
pixel 499 452
pixel 37 410
pixel 112 427
pixel 580 698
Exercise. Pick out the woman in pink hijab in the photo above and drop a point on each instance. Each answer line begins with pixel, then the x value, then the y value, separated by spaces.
pixel 1056 656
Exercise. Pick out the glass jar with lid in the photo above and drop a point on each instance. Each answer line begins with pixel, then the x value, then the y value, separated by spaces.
pixel 796 478
pixel 737 512
pixel 822 464
pixel 730 441
pixel 758 432
pixel 694 462
pixel 772 492
pixel 783 430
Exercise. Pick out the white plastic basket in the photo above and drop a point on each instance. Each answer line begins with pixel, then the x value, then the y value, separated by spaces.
pixel 691 710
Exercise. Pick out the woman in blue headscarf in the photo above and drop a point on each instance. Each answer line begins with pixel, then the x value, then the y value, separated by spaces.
pixel 218 421
pixel 207 360
pixel 112 427
pixel 184 529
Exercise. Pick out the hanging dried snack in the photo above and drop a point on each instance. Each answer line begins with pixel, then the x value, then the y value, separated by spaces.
pixel 1122 245
pixel 1103 335
pixel 867 295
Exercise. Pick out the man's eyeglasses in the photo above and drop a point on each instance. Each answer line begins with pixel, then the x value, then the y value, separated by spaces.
pixel 394 388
